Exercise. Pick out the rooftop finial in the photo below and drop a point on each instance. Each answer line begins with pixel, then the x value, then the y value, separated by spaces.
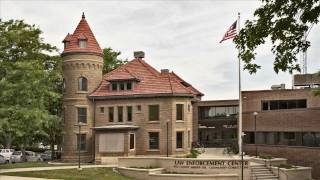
pixel 83 16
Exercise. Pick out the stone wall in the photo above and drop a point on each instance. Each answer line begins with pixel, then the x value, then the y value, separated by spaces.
pixel 167 113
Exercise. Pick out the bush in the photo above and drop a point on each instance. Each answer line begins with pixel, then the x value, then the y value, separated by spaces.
pixel 286 166
pixel 233 149
pixel 194 153
pixel 265 157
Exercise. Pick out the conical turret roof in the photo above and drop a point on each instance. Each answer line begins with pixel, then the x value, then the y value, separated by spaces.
pixel 82 32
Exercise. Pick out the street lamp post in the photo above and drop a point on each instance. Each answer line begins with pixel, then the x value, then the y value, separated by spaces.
pixel 79 143
pixel 242 135
pixel 167 123
pixel 255 132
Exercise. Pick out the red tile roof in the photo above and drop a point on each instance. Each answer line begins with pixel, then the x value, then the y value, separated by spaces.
pixel 82 32
pixel 148 82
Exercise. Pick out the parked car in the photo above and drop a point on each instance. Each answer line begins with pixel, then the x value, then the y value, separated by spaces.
pixel 47 155
pixel 30 156
pixel 6 153
pixel 3 160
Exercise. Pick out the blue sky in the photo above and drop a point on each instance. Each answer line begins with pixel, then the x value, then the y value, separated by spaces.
pixel 179 35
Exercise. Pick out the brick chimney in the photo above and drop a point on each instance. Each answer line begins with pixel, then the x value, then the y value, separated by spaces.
pixel 138 54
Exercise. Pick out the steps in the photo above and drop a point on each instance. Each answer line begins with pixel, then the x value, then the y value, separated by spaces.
pixel 261 172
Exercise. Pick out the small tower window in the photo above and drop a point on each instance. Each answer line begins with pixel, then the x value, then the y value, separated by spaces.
pixel 83 84
pixel 83 43
pixel 66 44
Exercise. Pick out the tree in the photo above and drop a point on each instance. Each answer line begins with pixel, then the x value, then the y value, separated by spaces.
pixel 26 82
pixel 285 23
pixel 111 60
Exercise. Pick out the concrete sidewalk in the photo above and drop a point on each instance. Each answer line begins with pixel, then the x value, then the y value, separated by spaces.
pixel 51 168
pixel 20 178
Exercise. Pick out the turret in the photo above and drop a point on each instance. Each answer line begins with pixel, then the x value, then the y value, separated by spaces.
pixel 82 72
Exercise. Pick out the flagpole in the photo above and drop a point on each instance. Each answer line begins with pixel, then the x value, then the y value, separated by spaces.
pixel 240 135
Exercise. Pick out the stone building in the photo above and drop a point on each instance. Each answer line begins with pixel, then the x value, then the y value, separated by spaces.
pixel 283 123
pixel 133 110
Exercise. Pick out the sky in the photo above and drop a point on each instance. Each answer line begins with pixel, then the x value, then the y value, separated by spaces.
pixel 180 35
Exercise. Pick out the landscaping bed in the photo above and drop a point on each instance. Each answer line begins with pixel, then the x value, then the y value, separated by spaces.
pixel 73 174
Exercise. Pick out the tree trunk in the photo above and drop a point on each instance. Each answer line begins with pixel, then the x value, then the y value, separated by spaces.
pixel 52 151
pixel 23 150
pixel 8 140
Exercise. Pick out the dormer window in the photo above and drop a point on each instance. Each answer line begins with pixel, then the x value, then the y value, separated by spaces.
pixel 82 43
pixel 129 86
pixel 121 86
pixel 66 44
pixel 114 86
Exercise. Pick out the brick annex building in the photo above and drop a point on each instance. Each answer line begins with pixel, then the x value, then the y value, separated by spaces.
pixel 133 110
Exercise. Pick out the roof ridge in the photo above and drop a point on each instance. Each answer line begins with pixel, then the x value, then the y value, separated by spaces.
pixel 131 73
pixel 181 84
pixel 170 83
pixel 149 68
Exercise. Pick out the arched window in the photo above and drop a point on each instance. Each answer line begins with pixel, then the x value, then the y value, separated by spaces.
pixel 83 84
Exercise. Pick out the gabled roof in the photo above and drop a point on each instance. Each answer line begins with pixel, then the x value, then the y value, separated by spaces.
pixel 149 82
pixel 82 32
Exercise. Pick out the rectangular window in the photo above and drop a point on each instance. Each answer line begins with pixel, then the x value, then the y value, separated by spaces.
pixel 101 109
pixel 132 141
pixel 153 112
pixel 179 140
pixel 114 86
pixel 284 104
pixel 302 103
pixel 289 135
pixel 265 105
pixel 129 86
pixel 153 140
pixel 121 86
pixel 274 105
pixel 179 111
pixel 120 114
pixel 81 142
pixel 138 108
pixel 111 113
pixel 82 114
pixel 129 113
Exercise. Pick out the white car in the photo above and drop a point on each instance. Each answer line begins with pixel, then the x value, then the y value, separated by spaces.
pixel 3 160
pixel 6 153
pixel 30 156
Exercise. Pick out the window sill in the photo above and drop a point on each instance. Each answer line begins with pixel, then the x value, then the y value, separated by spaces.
pixel 153 122
pixel 82 92
pixel 179 121
pixel 153 150
pixel 180 149
pixel 82 124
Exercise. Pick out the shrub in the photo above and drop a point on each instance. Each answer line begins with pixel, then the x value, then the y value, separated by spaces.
pixel 194 153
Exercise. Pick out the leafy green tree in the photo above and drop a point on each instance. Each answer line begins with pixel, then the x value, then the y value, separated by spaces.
pixel 284 22
pixel 111 60
pixel 27 82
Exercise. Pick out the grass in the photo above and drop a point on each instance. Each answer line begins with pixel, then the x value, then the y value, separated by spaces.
pixel 148 167
pixel 73 174
pixel 25 165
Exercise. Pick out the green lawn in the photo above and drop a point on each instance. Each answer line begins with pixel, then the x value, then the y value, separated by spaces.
pixel 25 165
pixel 73 174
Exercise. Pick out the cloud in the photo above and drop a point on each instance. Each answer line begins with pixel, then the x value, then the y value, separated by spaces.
pixel 182 36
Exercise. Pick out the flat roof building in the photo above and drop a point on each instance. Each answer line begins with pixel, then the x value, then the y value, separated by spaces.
pixel 283 123
pixel 216 122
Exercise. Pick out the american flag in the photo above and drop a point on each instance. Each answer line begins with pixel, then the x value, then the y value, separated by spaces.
pixel 231 33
